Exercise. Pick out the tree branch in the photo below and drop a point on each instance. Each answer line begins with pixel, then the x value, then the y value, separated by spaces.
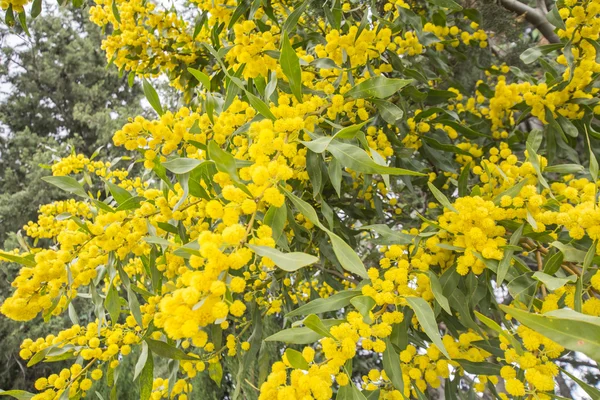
pixel 534 17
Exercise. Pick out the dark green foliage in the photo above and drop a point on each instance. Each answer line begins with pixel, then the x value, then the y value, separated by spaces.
pixel 58 97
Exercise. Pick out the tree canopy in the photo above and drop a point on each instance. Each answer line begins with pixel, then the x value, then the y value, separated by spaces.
pixel 357 200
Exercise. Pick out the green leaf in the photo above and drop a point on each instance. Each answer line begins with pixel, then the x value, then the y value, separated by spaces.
pixel 379 87
pixel 260 106
pixel 17 394
pixel 391 366
pixel 490 323
pixel 334 170
pixel 590 390
pixel 344 253
pixel 511 192
pixel 118 193
pixel 39 356
pixel 290 66
pixel 357 159
pixel 533 53
pixel 390 112
pixel 426 318
pixel 553 264
pixel 152 97
pixel 112 304
pixel 295 359
pixel 276 218
pixel 441 198
pixel 535 162
pixel 567 126
pixel 387 236
pixel 215 372
pixel 67 184
pixel 565 168
pixel 438 292
pixel 165 350
pixel 364 304
pixel 347 257
pixel 18 259
pixel 570 253
pixel 555 19
pixel 134 306
pixel 182 165
pixel 570 329
pixel 36 8
pixel 479 368
pixel 551 282
pixel 314 323
pixel 449 4
pixel 320 305
pixel 302 335
pixel 141 362
pixel 286 261
pixel 147 378
pixel 224 161
pixel 349 392
pixel 504 264
pixel 292 20
pixel 201 77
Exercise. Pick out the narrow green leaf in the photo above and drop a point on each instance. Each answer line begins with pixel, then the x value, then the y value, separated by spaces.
pixel 286 261
pixel 438 293
pixel 292 20
pixel 441 197
pixel 379 87
pixel 18 259
pixel 390 112
pixel 147 378
pixel 165 350
pixel 296 359
pixel 115 11
pixel 570 329
pixel 301 335
pixel 570 253
pixel 553 283
pixel 449 4
pixel 141 362
pixel 391 366
pixel 314 323
pixel 357 159
pixel 260 106
pixel 152 97
pixel 426 318
pixel 112 304
pixel 553 264
pixel 215 372
pixel 224 161
pixel 36 8
pixel 364 304
pixel 320 305
pixel 182 165
pixel 387 236
pixel 118 193
pixel 17 394
pixel 590 390
pixel 67 184
pixel 490 323
pixel 201 77
pixel 504 264
pixel 290 65
pixel 346 255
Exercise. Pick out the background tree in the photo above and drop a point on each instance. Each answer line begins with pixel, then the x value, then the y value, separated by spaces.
pixel 57 97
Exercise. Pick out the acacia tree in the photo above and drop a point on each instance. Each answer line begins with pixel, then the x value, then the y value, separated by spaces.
pixel 411 233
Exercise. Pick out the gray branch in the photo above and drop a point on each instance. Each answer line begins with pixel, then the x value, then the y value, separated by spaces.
pixel 534 16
